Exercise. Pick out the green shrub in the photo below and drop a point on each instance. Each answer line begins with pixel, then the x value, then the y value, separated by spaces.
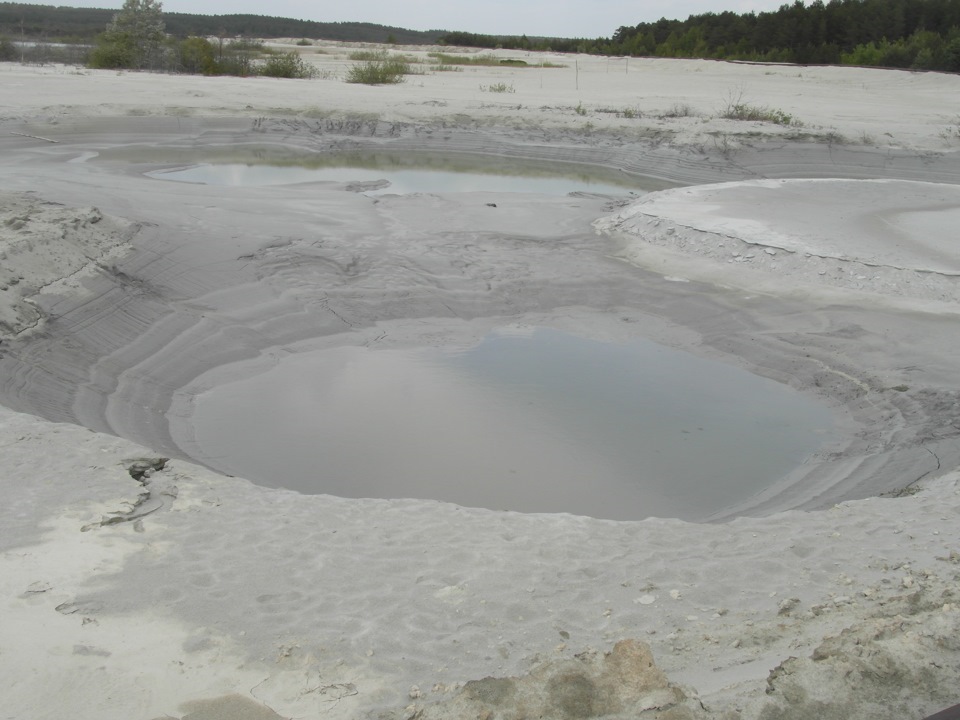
pixel 952 53
pixel 304 42
pixel 197 56
pixel 111 56
pixel 134 38
pixel 379 69
pixel 239 57
pixel 8 51
pixel 287 65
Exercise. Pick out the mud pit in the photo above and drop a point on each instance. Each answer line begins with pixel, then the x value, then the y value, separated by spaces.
pixel 221 275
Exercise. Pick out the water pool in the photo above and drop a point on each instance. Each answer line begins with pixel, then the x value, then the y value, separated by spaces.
pixel 536 420
pixel 400 173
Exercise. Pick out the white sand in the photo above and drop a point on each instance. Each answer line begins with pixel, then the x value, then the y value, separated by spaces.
pixel 190 594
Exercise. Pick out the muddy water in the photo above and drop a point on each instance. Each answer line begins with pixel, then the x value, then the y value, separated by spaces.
pixel 402 173
pixel 533 421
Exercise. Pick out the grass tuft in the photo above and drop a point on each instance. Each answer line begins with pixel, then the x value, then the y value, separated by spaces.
pixel 679 110
pixel 737 109
pixel 754 113
pixel 500 87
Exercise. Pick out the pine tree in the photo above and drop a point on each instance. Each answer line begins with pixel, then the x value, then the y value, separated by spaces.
pixel 134 38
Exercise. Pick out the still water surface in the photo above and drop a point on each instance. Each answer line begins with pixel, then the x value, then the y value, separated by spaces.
pixel 399 182
pixel 403 172
pixel 533 421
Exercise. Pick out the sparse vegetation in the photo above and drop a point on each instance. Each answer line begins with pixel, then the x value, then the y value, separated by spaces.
pixel 580 109
pixel 760 114
pixel 378 68
pixel 738 109
pixel 304 42
pixel 131 41
pixel 723 144
pixel 498 88
pixel 678 110
pixel 447 59
pixel 368 55
pixel 952 131
pixel 487 60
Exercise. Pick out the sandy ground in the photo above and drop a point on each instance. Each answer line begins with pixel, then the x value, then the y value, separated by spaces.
pixel 819 254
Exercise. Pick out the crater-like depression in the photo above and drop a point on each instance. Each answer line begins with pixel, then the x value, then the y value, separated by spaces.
pixel 529 419
pixel 524 365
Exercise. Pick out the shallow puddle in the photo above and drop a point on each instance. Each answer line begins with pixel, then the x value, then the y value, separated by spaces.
pixel 405 173
pixel 533 421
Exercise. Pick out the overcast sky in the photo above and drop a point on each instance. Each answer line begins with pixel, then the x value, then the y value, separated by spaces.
pixel 554 18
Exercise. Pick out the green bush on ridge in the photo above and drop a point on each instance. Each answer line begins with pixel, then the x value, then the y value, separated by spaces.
pixel 378 68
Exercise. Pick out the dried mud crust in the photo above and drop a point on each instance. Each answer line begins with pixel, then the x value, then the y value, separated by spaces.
pixel 46 248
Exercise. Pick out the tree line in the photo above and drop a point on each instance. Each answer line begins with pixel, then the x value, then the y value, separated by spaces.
pixel 57 24
pixel 919 34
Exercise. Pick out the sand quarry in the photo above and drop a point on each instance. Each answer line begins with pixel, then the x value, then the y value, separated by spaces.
pixel 821 254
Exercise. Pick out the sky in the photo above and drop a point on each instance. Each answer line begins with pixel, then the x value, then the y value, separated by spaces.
pixel 550 18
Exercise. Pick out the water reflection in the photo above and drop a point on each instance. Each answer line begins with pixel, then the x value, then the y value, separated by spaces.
pixel 539 421
pixel 424 171
pixel 399 181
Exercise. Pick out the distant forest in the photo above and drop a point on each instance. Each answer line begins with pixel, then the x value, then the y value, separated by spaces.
pixel 56 24
pixel 918 34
